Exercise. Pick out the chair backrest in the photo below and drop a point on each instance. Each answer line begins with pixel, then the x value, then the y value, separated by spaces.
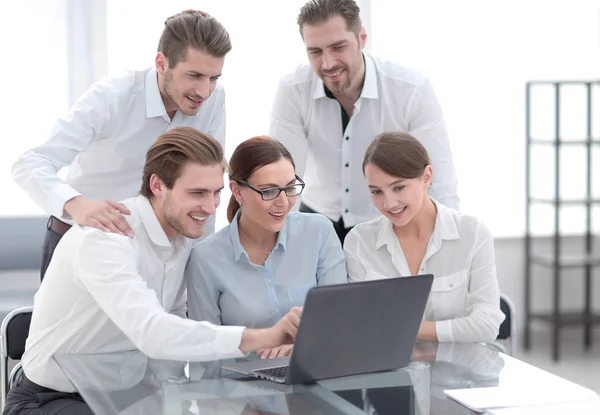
pixel 506 327
pixel 14 332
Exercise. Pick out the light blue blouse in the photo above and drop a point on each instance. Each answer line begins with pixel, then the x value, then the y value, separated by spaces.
pixel 225 287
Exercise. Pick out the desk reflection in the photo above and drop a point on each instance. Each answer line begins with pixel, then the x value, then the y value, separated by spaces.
pixel 131 383
pixel 455 366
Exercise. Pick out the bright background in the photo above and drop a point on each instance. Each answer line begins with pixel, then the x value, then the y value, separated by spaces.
pixel 478 54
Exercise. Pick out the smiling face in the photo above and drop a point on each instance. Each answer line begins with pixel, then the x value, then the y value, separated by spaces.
pixel 186 86
pixel 335 54
pixel 269 215
pixel 195 196
pixel 398 199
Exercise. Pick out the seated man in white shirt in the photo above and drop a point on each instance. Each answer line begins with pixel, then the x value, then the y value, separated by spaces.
pixel 328 112
pixel 105 292
pixel 415 234
pixel 106 134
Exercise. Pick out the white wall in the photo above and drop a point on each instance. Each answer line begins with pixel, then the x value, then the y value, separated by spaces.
pixel 34 86
pixel 479 54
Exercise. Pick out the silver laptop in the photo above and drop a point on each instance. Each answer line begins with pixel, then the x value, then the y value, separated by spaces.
pixel 350 329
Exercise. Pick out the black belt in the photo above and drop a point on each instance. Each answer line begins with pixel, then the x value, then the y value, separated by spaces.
pixel 58 226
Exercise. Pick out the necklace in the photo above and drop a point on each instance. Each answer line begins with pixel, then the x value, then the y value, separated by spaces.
pixel 253 244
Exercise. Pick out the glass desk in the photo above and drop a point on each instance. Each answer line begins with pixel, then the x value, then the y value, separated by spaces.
pixel 131 383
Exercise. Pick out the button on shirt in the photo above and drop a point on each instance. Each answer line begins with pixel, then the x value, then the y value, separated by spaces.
pixel 309 124
pixel 465 298
pixel 225 287
pixel 106 293
pixel 104 139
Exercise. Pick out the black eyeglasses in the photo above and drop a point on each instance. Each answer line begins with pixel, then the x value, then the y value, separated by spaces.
pixel 292 190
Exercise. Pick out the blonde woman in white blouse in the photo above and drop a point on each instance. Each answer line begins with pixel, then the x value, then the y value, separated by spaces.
pixel 417 235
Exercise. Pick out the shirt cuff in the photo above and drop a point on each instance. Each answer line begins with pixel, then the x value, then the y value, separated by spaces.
pixel 228 341
pixel 443 330
pixel 444 351
pixel 57 197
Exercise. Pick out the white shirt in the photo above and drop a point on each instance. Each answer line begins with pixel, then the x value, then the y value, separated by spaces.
pixel 309 124
pixel 106 293
pixel 465 298
pixel 104 140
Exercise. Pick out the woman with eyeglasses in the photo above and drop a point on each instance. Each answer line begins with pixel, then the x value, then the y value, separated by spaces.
pixel 263 263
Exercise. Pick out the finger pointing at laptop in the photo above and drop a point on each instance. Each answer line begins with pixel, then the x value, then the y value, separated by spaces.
pixel 282 333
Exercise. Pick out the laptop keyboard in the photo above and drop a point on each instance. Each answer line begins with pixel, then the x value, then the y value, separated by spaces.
pixel 277 372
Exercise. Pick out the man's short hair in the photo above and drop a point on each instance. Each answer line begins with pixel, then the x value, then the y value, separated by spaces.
pixel 193 28
pixel 175 147
pixel 320 11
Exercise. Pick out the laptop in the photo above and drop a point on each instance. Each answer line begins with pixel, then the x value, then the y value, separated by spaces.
pixel 350 329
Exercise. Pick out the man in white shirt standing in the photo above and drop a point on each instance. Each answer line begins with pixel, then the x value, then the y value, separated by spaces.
pixel 108 293
pixel 106 134
pixel 328 112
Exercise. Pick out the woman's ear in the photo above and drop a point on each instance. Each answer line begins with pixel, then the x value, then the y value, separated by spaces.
pixel 236 190
pixel 428 176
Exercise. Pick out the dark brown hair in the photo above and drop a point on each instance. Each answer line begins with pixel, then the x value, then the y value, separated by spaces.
pixel 193 28
pixel 320 11
pixel 398 154
pixel 250 156
pixel 175 147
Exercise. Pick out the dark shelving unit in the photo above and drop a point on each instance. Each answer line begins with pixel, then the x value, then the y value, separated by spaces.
pixel 557 259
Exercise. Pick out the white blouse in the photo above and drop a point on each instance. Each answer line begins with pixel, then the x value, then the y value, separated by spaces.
pixel 465 298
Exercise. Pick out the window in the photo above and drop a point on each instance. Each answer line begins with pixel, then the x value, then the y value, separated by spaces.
pixel 478 56
pixel 35 87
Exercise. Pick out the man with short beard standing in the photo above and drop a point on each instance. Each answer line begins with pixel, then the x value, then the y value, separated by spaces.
pixel 328 112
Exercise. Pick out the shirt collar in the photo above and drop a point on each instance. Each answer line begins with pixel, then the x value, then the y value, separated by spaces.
pixel 370 85
pixel 445 222
pixel 369 89
pixel 155 107
pixel 234 234
pixel 385 233
pixel 282 237
pixel 153 227
pixel 445 227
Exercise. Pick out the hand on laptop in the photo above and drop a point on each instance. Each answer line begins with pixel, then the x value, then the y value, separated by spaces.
pixel 424 352
pixel 281 351
pixel 284 332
